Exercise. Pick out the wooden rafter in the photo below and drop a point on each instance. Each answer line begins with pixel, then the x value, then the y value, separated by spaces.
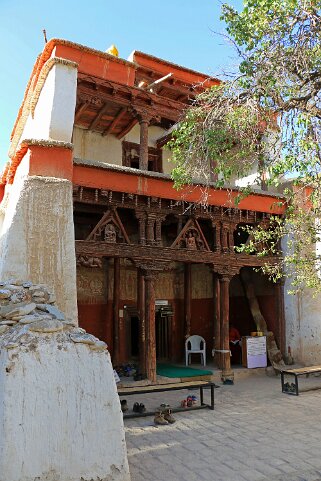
pixel 130 96
pixel 81 108
pixel 96 120
pixel 114 123
pixel 127 129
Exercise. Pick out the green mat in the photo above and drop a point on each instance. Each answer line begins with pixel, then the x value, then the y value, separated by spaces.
pixel 169 370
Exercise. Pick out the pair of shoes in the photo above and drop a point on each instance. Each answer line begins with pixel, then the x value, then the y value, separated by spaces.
pixel 229 382
pixel 164 417
pixel 286 387
pixel 291 388
pixel 139 408
pixel 191 400
pixel 124 405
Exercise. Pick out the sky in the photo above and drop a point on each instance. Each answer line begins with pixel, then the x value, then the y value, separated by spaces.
pixel 181 31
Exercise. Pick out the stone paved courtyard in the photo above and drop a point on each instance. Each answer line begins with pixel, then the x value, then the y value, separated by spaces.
pixel 255 433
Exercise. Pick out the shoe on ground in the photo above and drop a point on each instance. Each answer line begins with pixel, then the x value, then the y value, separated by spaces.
pixel 184 403
pixel 169 417
pixel 287 387
pixel 159 419
pixel 124 405
pixel 136 408
pixel 141 408
pixel 293 387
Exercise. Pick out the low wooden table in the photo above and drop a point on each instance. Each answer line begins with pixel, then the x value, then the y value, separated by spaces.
pixel 129 391
pixel 296 373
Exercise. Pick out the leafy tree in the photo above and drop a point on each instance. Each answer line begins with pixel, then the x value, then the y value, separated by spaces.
pixel 266 117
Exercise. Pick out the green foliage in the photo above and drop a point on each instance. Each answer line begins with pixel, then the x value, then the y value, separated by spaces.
pixel 266 118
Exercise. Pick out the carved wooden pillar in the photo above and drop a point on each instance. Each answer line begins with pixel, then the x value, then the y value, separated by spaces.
pixel 116 326
pixel 143 148
pixel 217 319
pixel 158 230
pixel 141 217
pixel 224 236
pixel 142 322
pixel 150 325
pixel 279 288
pixel 151 218
pixel 217 235
pixel 227 372
pixel 231 237
pixel 187 298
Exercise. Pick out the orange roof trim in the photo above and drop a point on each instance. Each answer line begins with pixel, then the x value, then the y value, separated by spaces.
pixel 9 172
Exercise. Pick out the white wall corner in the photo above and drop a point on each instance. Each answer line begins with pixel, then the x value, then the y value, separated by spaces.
pixel 54 113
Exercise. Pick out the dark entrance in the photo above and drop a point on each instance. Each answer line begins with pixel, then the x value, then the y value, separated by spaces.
pixel 163 320
pixel 134 337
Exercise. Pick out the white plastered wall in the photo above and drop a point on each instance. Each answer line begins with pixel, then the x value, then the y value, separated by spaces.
pixel 303 323
pixel 89 145
pixel 37 232
pixel 37 236
pixel 53 116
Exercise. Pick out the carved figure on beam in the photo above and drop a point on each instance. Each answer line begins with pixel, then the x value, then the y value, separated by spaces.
pixel 109 229
pixel 87 261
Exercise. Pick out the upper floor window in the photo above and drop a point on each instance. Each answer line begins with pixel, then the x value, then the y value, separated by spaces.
pixel 131 157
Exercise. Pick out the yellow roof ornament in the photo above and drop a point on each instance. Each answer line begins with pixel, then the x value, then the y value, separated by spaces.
pixel 112 50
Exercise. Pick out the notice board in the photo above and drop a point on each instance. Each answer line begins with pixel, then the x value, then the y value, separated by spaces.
pixel 254 351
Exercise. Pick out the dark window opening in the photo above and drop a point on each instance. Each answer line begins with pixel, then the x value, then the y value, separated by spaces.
pixel 131 157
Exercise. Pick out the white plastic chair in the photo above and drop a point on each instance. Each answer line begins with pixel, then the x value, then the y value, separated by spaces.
pixel 193 346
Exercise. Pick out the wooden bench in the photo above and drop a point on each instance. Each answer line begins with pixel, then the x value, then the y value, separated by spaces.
pixel 296 373
pixel 129 391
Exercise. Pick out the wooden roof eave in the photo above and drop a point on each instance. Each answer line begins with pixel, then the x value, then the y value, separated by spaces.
pixel 129 96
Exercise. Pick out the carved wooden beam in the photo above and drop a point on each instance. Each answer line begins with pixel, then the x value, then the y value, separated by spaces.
pixel 227 261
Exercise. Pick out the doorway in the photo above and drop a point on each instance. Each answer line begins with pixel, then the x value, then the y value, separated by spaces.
pixel 163 322
pixel 134 336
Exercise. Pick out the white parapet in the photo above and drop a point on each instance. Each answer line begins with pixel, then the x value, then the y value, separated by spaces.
pixel 52 115
pixel 60 415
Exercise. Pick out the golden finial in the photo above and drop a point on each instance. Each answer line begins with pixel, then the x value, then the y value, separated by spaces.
pixel 112 50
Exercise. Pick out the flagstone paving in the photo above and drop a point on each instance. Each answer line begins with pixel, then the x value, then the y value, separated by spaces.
pixel 256 433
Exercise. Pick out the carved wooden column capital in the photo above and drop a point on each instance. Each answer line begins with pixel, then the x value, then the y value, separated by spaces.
pixel 227 272
pixel 144 115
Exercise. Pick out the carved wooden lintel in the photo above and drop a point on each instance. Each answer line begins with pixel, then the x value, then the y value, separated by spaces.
pixel 151 267
pixel 156 253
